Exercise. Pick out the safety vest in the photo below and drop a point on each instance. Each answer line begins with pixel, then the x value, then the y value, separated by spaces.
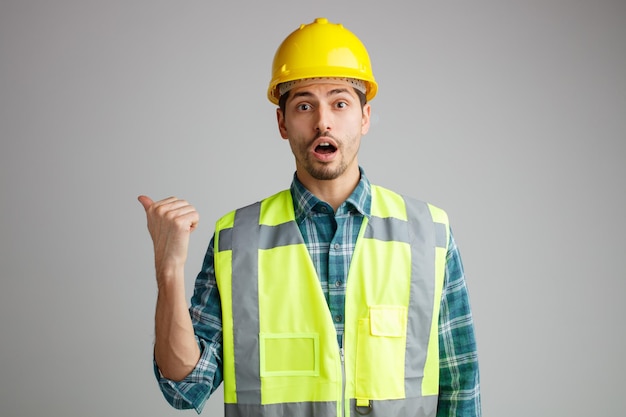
pixel 281 356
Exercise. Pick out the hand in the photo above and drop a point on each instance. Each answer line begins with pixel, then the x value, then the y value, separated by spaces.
pixel 170 223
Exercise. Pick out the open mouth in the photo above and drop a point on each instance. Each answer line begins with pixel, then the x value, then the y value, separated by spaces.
pixel 325 148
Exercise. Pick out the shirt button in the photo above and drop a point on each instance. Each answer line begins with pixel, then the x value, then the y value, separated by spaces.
pixel 338 318
pixel 336 246
pixel 338 284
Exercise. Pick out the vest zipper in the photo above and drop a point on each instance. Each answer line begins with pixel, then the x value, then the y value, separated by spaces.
pixel 343 380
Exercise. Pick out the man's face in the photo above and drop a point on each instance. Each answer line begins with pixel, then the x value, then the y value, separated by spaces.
pixel 324 122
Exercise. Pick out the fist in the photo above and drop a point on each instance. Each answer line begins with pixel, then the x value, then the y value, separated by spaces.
pixel 170 222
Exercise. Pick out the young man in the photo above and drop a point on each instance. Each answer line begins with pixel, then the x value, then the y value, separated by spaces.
pixel 333 298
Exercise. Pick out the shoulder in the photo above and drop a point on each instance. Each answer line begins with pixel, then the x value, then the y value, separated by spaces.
pixel 381 194
pixel 282 197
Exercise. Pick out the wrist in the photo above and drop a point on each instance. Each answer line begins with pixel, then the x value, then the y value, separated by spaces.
pixel 167 275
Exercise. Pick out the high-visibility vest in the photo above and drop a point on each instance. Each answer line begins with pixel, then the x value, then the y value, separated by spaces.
pixel 281 356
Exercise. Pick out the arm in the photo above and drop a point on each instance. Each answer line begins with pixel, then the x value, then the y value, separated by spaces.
pixel 459 384
pixel 170 222
pixel 206 317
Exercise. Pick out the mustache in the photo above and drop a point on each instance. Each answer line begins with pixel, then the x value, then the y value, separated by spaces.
pixel 324 135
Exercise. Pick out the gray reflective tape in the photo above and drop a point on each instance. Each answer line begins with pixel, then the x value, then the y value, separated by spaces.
pixel 387 229
pixel 269 236
pixel 245 303
pixel 225 241
pixel 407 407
pixel 421 295
pixel 301 409
pixel 441 235
pixel 281 235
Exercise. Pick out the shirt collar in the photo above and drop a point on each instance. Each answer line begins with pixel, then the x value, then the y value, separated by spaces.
pixel 305 203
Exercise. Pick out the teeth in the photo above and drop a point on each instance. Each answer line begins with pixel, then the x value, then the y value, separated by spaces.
pixel 324 144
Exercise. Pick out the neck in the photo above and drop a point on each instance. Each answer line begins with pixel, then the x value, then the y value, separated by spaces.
pixel 333 192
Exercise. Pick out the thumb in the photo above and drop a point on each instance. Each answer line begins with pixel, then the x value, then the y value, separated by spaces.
pixel 145 201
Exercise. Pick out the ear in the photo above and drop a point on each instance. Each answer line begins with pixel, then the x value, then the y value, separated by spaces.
pixel 280 118
pixel 365 120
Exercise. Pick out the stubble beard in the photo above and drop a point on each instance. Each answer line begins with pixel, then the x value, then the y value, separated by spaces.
pixel 324 171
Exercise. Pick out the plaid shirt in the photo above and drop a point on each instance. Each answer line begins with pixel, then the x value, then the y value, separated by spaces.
pixel 330 238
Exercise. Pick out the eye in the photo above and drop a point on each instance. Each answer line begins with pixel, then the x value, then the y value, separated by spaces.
pixel 303 107
pixel 341 104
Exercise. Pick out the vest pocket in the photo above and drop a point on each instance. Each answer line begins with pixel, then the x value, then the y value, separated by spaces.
pixel 381 345
pixel 289 354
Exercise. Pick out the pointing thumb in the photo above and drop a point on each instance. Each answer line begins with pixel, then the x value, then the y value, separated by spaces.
pixel 145 201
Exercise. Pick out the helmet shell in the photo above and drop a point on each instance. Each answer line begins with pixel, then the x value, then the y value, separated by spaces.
pixel 318 50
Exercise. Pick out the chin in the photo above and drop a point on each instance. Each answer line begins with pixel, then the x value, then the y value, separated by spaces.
pixel 326 173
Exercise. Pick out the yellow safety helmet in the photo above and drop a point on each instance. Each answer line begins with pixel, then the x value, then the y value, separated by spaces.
pixel 318 50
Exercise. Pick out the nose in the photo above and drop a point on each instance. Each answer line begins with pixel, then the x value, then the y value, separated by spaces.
pixel 323 121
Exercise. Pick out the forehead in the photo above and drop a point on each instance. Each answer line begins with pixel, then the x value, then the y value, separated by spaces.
pixel 322 87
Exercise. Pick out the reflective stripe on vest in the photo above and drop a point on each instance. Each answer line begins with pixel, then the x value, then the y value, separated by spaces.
pixel 280 346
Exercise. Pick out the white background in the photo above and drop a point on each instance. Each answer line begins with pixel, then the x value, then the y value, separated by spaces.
pixel 509 115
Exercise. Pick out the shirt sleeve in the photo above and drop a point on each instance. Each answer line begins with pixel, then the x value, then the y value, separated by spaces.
pixel 206 316
pixel 459 382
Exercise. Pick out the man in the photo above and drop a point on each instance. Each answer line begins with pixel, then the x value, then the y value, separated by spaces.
pixel 333 298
